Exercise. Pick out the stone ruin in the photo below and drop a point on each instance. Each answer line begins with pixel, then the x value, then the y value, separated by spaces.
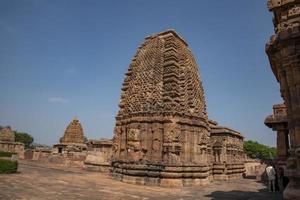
pixel 75 151
pixel 70 152
pixel 162 134
pixel 8 142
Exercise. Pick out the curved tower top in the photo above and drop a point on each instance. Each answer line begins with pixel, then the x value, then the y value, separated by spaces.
pixel 73 133
pixel 163 79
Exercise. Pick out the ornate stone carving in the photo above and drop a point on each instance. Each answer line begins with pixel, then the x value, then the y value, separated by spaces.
pixel 161 94
pixel 228 153
pixel 162 133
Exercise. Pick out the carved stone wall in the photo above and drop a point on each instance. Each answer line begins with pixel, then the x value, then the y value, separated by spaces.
pixel 283 50
pixel 14 147
pixel 162 132
pixel 228 156
pixel 99 155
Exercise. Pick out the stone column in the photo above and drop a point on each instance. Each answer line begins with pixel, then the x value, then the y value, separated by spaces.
pixel 282 145
pixel 279 123
pixel 283 50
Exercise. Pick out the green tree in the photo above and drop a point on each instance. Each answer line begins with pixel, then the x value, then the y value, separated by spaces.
pixel 256 150
pixel 24 138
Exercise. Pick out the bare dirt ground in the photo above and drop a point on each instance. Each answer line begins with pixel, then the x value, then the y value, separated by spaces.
pixel 36 181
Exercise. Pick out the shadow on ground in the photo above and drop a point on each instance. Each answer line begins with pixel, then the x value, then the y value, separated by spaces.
pixel 262 194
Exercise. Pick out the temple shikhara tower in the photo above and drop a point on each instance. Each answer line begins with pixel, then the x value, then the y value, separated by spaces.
pixel 283 51
pixel 73 138
pixel 73 133
pixel 162 132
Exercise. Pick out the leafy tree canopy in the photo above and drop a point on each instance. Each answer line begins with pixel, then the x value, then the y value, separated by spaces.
pixel 254 149
pixel 24 138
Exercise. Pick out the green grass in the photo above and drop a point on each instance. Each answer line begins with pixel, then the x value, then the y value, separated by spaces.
pixel 6 154
pixel 8 166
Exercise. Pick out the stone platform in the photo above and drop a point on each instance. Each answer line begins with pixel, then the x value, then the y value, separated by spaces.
pixel 36 181
pixel 160 175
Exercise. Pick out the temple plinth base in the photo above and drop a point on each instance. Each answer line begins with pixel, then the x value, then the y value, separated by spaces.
pixel 163 182
pixel 159 175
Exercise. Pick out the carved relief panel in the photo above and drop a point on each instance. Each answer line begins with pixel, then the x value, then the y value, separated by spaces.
pixel 172 143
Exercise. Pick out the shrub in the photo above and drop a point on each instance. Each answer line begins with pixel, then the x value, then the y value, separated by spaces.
pixel 8 166
pixel 6 154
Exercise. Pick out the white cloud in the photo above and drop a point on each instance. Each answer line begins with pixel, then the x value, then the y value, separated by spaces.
pixel 58 100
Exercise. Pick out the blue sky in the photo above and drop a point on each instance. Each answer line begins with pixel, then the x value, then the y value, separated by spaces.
pixel 60 59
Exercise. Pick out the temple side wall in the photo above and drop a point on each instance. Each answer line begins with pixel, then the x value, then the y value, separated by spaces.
pixel 99 159
pixel 13 147
pixel 161 153
pixel 72 159
pixel 227 156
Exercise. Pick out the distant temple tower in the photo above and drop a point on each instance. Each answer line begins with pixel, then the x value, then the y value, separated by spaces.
pixel 73 133
pixel 162 133
pixel 73 139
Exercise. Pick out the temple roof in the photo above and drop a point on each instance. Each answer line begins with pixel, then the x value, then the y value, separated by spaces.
pixel 217 129
pixel 166 32
pixel 101 142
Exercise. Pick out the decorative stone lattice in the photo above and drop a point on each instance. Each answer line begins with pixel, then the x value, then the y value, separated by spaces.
pixel 73 133
pixel 162 135
pixel 7 135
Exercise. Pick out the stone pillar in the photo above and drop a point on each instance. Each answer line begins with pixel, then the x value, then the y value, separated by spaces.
pixel 282 145
pixel 279 123
pixel 283 50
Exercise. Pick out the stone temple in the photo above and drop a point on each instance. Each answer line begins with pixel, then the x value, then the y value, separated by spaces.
pixel 73 138
pixel 162 132
pixel 8 141
pixel 73 133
